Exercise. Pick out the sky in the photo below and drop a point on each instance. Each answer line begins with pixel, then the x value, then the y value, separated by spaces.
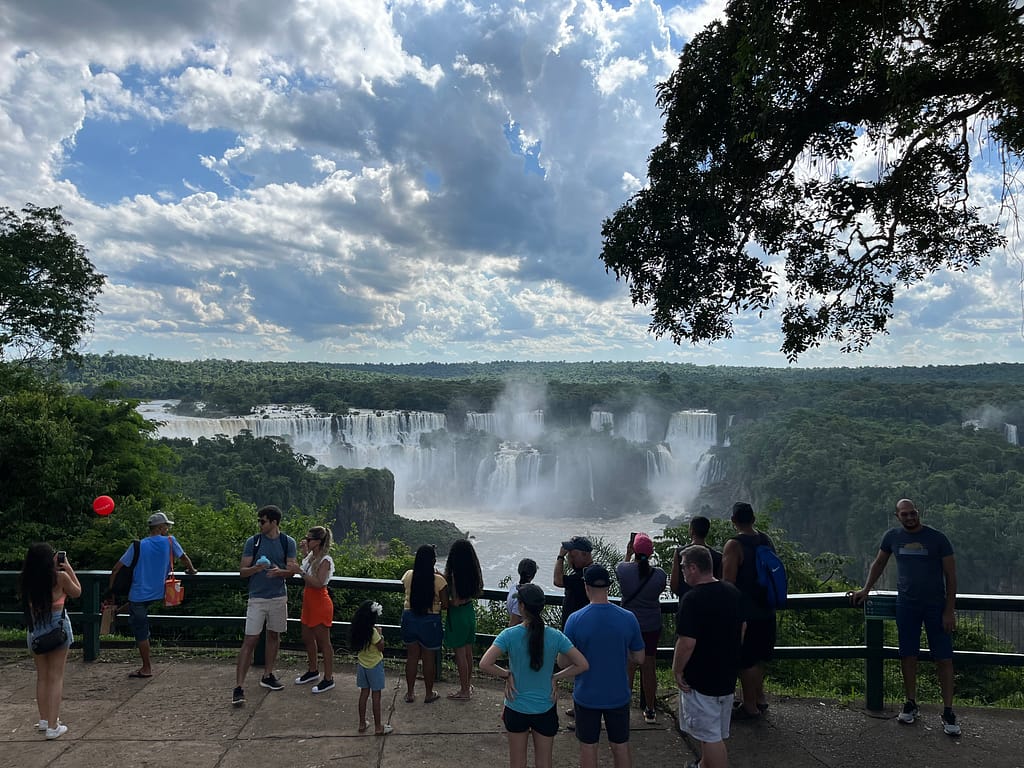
pixel 401 181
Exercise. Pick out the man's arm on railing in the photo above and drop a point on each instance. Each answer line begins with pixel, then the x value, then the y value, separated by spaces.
pixel 874 574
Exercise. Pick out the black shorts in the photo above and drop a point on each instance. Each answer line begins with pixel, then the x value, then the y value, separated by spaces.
pixel 758 642
pixel 545 724
pixel 588 724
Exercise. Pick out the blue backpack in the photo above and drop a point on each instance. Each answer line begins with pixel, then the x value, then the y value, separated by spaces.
pixel 771 575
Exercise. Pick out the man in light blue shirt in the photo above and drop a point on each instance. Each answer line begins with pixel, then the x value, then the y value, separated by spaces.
pixel 156 553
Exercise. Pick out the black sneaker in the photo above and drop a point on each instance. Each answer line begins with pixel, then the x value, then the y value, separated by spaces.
pixel 910 712
pixel 238 697
pixel 271 682
pixel 949 724
pixel 324 685
pixel 307 677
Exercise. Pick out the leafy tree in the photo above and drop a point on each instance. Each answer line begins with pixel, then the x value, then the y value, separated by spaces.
pixel 764 118
pixel 48 286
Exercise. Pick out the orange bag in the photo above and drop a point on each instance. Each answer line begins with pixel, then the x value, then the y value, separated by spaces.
pixel 174 590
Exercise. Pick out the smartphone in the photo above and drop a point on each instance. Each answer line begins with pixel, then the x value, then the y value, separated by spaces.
pixel 62 556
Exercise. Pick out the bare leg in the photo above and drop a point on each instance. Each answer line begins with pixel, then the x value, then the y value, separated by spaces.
pixel 322 636
pixel 412 658
pixel 908 666
pixel 631 671
pixel 588 755
pixel 649 676
pixel 543 746
pixel 364 694
pixel 713 755
pixel 245 659
pixel 273 644
pixel 517 747
pixel 464 663
pixel 621 757
pixel 944 668
pixel 147 667
pixel 39 661
pixel 752 679
pixel 428 670
pixel 378 724
pixel 309 641
pixel 55 682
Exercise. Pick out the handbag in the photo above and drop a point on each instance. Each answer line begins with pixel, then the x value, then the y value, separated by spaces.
pixel 52 640
pixel 174 590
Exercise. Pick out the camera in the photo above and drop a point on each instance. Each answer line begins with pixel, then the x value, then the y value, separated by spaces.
pixel 62 557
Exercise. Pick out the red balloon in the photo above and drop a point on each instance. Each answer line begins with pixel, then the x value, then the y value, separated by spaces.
pixel 103 505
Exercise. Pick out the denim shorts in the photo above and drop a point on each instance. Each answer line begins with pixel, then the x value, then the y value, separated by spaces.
pixel 372 678
pixel 54 621
pixel 909 618
pixel 138 617
pixel 424 629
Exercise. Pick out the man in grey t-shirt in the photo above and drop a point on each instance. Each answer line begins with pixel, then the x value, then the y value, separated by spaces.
pixel 925 594
pixel 268 559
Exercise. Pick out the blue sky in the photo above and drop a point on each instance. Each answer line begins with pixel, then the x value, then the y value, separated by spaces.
pixel 403 181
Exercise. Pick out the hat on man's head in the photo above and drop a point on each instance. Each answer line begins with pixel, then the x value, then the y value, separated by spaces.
pixel 582 543
pixel 596 576
pixel 159 518
pixel 643 545
pixel 531 596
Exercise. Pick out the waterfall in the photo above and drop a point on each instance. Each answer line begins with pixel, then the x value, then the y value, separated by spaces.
pixel 635 428
pixel 601 419
pixel 1010 430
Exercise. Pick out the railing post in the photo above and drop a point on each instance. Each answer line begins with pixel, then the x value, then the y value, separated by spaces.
pixel 91 616
pixel 874 682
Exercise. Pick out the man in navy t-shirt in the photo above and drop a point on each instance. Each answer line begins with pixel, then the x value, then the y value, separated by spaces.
pixel 925 594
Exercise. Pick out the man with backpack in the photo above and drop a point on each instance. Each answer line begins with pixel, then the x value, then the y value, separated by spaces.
pixel 148 561
pixel 268 559
pixel 740 566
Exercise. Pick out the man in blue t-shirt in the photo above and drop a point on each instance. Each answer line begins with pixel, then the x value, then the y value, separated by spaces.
pixel 925 594
pixel 268 559
pixel 609 638
pixel 156 553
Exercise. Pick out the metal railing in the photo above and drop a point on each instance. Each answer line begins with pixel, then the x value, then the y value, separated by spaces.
pixel 874 652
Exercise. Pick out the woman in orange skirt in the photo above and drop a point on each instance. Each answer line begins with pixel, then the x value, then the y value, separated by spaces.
pixel 317 609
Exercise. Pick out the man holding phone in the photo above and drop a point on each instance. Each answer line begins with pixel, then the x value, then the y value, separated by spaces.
pixel 151 571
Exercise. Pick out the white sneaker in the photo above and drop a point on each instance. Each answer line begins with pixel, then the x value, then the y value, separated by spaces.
pixel 56 733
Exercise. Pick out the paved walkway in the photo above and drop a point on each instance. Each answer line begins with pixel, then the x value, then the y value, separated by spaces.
pixel 182 717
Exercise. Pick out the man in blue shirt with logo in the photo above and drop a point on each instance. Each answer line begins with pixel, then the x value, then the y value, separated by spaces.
pixel 925 594
pixel 609 638
pixel 268 559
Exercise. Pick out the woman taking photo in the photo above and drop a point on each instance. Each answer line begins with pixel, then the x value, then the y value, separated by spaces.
pixel 316 570
pixel 426 593
pixel 47 580
pixel 465 582
pixel 531 694
pixel 641 586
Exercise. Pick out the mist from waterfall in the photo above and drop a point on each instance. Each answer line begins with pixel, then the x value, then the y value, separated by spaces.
pixel 508 459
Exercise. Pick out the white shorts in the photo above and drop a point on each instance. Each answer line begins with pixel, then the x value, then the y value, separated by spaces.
pixel 706 718
pixel 272 611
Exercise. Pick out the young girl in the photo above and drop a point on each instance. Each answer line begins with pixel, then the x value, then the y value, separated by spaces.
pixel 527 570
pixel 317 609
pixel 465 582
pixel 530 694
pixel 369 646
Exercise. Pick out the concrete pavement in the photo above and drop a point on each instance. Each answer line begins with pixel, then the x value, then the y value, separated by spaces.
pixel 183 717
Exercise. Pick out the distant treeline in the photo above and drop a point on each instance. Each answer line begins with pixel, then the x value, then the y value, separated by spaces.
pixel 828 451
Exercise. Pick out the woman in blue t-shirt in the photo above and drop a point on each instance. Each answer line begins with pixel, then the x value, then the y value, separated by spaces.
pixel 530 687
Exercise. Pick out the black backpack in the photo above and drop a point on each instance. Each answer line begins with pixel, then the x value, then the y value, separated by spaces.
pixel 123 578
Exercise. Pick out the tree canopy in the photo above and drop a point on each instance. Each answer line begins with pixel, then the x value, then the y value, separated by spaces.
pixel 756 192
pixel 48 286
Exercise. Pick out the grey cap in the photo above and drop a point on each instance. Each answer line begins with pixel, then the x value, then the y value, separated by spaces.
pixel 159 518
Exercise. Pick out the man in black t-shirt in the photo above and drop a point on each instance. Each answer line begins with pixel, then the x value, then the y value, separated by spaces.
pixel 578 551
pixel 700 527
pixel 709 631
pixel 739 567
